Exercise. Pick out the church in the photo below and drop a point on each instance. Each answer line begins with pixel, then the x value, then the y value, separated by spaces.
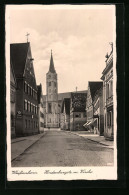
pixel 53 101
pixel 52 107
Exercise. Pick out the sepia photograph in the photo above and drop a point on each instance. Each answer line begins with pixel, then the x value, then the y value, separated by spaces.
pixel 61 92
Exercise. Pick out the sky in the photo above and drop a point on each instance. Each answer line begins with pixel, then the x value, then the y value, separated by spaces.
pixel 79 39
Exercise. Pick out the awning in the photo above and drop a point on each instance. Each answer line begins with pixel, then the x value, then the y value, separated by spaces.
pixel 90 122
pixel 87 124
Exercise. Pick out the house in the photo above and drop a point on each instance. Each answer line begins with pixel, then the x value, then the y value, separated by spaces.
pixel 98 113
pixel 107 77
pixel 26 93
pixel 40 109
pixel 65 114
pixel 93 87
pixel 13 101
pixel 77 111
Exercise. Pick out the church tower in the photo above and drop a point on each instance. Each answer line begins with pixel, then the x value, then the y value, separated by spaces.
pixel 52 111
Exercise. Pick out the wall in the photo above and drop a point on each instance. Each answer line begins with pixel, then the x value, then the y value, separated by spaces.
pixel 76 123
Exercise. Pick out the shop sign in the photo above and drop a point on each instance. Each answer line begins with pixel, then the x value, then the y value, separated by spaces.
pixel 19 114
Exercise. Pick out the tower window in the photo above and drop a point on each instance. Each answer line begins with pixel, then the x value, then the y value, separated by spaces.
pixel 54 84
pixel 49 83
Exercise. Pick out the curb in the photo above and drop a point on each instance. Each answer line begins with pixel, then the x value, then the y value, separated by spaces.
pixel 27 147
pixel 91 139
pixel 18 141
pixel 100 143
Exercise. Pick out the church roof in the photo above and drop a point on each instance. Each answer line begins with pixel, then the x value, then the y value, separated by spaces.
pixel 94 86
pixel 51 67
pixel 18 55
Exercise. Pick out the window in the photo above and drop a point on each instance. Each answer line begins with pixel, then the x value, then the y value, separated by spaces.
pixel 31 107
pixel 25 104
pixel 31 91
pixel 25 123
pixel 36 95
pixel 107 90
pixel 28 89
pixel 54 84
pixel 109 119
pixel 36 110
pixel 111 88
pixel 34 124
pixel 78 115
pixel 49 83
pixel 29 123
pixel 25 87
pixel 49 108
pixel 28 106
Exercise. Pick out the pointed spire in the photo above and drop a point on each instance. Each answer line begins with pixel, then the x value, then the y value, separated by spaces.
pixel 51 67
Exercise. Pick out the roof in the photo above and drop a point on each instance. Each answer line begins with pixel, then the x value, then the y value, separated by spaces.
pixel 79 102
pixel 61 96
pixel 18 55
pixel 66 103
pixel 51 67
pixel 94 86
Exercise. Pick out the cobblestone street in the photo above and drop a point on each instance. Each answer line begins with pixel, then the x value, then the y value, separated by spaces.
pixel 60 148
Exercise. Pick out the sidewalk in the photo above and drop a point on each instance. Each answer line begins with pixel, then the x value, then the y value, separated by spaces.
pixel 95 138
pixel 19 145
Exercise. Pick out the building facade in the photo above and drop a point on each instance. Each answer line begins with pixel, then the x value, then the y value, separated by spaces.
pixel 26 93
pixel 52 108
pixel 40 109
pixel 12 101
pixel 77 111
pixel 93 87
pixel 98 113
pixel 107 77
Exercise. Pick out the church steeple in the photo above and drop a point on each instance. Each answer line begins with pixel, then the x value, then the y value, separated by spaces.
pixel 51 67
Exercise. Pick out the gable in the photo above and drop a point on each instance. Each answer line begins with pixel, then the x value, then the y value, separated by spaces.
pixel 29 69
pixel 79 102
pixel 18 55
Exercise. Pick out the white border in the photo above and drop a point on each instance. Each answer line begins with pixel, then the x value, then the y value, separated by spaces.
pixel 108 173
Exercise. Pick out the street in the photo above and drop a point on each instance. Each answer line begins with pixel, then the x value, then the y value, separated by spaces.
pixel 60 148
